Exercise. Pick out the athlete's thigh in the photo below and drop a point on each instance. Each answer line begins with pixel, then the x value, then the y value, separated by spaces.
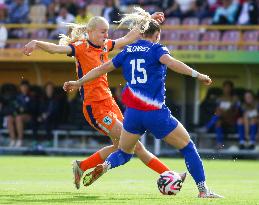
pixel 103 116
pixel 115 132
pixel 160 122
pixel 133 121
pixel 128 141
pixel 179 137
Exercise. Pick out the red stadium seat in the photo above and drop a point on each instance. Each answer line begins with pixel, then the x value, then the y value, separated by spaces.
pixel 101 2
pixel 16 45
pixel 251 37
pixel 169 35
pixel 191 21
pixel 232 37
pixel 192 35
pixel 210 36
pixel 206 21
pixel 39 34
pixel 172 21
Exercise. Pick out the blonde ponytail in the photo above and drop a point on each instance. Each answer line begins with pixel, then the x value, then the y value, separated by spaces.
pixel 78 32
pixel 139 20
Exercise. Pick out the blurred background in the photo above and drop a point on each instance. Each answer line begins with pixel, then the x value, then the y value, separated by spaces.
pixel 216 37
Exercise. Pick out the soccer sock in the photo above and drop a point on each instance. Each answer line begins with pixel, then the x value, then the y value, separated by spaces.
pixel 241 133
pixel 212 121
pixel 219 135
pixel 157 165
pixel 253 131
pixel 91 161
pixel 117 158
pixel 194 165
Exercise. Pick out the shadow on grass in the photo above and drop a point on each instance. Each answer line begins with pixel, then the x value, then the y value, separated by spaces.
pixel 55 197
pixel 61 197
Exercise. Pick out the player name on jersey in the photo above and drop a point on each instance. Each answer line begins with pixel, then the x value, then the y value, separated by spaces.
pixel 131 49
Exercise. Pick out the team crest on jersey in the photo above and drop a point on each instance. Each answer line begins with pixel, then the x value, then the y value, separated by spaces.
pixel 105 49
pixel 107 120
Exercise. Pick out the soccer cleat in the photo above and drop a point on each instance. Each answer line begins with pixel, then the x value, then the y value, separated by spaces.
pixel 209 194
pixel 77 172
pixel 183 176
pixel 92 176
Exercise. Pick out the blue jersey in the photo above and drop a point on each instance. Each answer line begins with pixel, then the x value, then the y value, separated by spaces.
pixel 145 75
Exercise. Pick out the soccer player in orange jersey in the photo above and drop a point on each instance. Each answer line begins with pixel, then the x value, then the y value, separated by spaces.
pixel 90 46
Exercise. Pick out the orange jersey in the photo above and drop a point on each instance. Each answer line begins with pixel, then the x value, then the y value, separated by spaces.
pixel 88 56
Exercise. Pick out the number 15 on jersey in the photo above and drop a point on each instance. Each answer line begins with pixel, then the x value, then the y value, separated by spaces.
pixel 136 63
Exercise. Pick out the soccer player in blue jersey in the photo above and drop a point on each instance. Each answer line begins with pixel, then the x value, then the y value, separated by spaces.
pixel 144 68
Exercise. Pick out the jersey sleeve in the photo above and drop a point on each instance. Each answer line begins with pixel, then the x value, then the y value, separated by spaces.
pixel 110 45
pixel 77 48
pixel 118 59
pixel 159 51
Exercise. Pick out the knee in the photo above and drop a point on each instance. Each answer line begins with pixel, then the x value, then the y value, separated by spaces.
pixel 218 124
pixel 254 121
pixel 10 119
pixel 18 119
pixel 139 148
pixel 240 121
pixel 114 147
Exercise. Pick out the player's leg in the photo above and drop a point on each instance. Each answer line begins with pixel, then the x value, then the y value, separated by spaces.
pixel 79 167
pixel 111 125
pixel 180 139
pixel 120 157
pixel 166 127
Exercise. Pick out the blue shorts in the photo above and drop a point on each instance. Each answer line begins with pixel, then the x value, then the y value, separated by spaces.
pixel 159 122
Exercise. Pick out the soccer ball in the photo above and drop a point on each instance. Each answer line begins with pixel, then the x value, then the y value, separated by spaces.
pixel 169 183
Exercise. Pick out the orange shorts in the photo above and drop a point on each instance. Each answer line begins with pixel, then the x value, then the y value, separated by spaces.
pixel 102 115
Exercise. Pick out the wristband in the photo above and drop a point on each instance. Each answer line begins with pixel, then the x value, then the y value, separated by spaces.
pixel 194 74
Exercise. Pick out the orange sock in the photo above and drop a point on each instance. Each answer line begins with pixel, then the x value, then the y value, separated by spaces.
pixel 91 161
pixel 157 165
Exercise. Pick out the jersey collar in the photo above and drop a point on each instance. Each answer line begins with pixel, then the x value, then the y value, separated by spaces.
pixel 91 44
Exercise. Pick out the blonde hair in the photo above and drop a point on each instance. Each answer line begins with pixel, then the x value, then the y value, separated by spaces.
pixel 139 19
pixel 79 31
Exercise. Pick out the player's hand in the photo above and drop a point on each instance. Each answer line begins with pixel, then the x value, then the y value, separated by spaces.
pixel 71 85
pixel 158 16
pixel 204 78
pixel 29 47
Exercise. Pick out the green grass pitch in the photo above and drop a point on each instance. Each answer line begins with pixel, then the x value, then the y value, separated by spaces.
pixel 48 180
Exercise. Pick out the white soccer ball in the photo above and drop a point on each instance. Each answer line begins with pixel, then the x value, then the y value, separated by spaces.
pixel 169 183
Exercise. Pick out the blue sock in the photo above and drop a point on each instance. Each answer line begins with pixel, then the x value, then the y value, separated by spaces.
pixel 241 133
pixel 219 135
pixel 253 131
pixel 117 158
pixel 212 121
pixel 194 164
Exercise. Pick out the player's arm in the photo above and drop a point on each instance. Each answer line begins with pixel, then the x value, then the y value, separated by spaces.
pixel 134 34
pixel 182 68
pixel 91 75
pixel 46 46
